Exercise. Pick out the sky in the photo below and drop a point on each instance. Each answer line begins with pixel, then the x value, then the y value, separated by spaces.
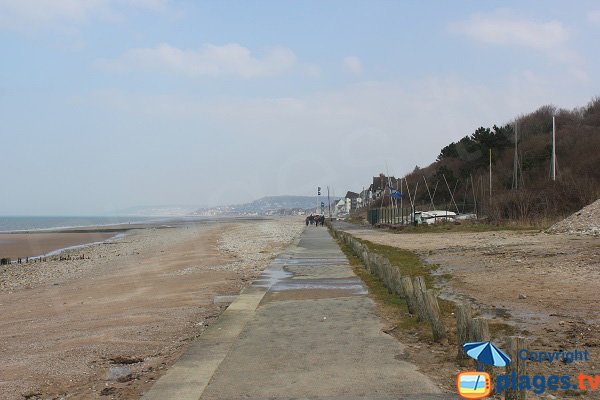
pixel 111 104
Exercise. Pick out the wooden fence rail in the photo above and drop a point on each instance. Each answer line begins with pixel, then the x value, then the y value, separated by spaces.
pixel 420 301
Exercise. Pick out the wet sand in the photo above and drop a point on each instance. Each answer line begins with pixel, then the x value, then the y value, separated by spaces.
pixel 15 245
pixel 35 243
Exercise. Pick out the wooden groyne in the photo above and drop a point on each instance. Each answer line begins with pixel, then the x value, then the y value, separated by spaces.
pixel 27 260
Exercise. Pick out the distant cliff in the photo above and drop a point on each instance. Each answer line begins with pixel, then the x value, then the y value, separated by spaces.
pixel 265 206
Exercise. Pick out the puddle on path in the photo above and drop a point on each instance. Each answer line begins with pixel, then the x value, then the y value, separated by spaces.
pixel 312 275
pixel 310 261
pixel 271 276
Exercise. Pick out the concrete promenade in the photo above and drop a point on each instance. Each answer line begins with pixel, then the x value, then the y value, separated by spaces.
pixel 304 329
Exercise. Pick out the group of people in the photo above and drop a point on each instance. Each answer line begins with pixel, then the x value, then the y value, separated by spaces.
pixel 315 220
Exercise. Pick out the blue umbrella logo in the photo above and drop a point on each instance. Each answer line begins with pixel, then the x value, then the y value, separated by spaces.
pixel 486 353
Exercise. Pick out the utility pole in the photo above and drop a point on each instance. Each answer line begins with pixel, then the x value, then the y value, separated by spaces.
pixel 516 161
pixel 329 203
pixel 553 148
pixel 318 199
pixel 401 204
pixel 490 176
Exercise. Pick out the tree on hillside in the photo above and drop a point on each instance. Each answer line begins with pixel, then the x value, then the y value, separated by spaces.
pixel 465 163
pixel 476 146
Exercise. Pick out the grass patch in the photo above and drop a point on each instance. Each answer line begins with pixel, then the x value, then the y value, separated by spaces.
pixel 391 305
pixel 408 262
pixel 447 307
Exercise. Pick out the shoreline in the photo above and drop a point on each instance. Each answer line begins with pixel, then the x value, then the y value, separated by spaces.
pixel 49 242
pixel 135 224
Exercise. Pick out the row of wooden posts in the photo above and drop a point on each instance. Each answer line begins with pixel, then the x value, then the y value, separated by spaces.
pixel 8 261
pixel 423 303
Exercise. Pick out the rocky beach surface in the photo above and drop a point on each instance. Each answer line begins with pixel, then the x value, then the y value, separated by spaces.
pixel 583 222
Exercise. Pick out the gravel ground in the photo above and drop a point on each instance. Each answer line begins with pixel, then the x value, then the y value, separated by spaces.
pixel 584 222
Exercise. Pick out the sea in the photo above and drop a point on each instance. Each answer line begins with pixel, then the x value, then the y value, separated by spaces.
pixel 13 224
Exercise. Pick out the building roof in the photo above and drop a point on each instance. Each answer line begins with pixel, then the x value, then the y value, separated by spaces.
pixel 381 182
pixel 352 195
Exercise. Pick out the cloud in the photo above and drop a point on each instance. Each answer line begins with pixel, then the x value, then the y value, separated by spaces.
pixel 353 64
pixel 332 134
pixel 594 17
pixel 394 116
pixel 210 60
pixel 147 4
pixel 503 28
pixel 63 15
pixel 312 70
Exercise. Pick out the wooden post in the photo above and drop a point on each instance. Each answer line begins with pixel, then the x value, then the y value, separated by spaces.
pixel 409 294
pixel 380 267
pixel 516 366
pixel 420 290
pixel 480 332
pixel 463 329
pixel 372 262
pixel 397 278
pixel 387 275
pixel 365 259
pixel 390 276
pixel 376 264
pixel 369 263
pixel 362 247
pixel 433 312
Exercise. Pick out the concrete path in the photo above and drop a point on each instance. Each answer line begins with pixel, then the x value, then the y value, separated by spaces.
pixel 305 329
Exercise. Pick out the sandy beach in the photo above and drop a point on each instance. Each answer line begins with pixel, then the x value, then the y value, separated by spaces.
pixel 110 324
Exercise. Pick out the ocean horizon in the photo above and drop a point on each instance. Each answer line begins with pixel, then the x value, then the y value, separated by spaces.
pixel 40 223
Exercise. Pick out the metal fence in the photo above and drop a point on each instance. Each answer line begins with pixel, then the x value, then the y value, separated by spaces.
pixel 406 216
pixel 390 215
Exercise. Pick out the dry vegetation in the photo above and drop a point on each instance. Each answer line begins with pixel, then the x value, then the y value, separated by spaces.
pixel 465 165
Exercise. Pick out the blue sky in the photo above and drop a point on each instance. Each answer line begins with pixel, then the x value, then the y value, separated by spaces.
pixel 109 104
